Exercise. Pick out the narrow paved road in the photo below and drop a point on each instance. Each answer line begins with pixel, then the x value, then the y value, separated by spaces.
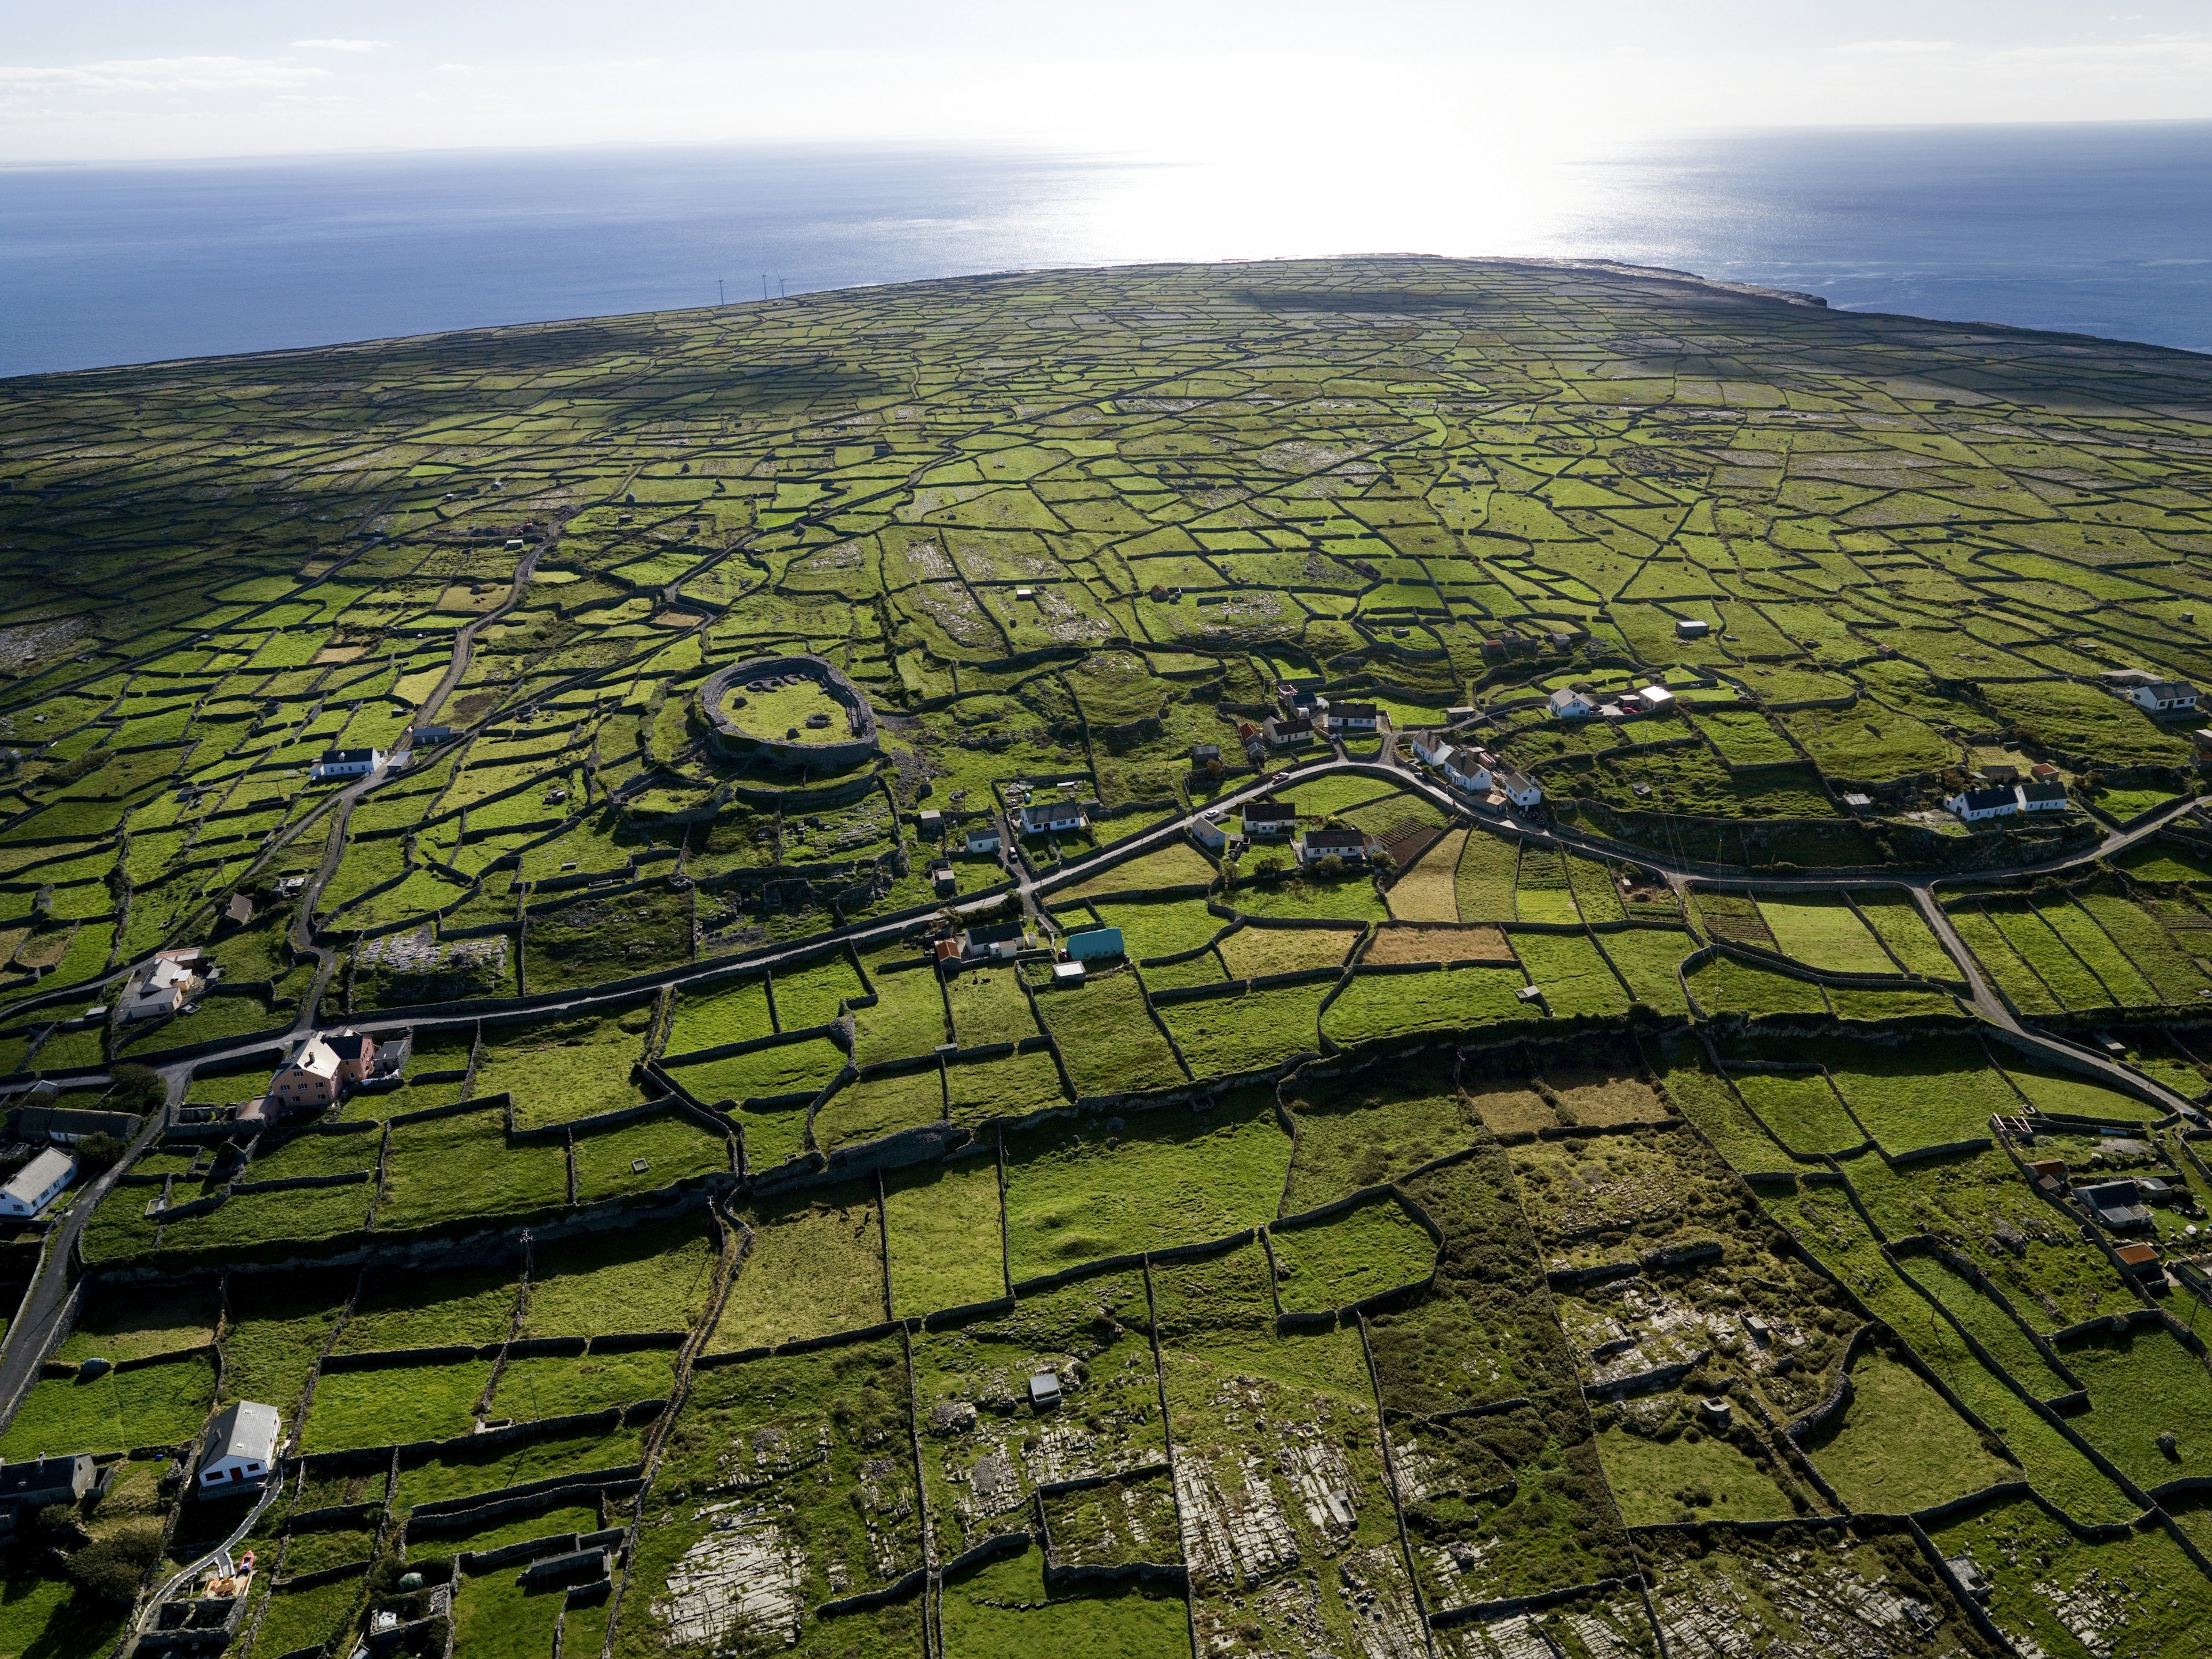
pixel 34 1328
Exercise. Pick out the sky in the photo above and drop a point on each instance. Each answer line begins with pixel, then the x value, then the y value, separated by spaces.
pixel 1291 83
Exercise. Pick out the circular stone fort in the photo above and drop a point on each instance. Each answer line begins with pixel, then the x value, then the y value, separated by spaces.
pixel 796 713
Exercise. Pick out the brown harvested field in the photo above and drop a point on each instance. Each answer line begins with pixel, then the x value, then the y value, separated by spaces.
pixel 1508 1109
pixel 1428 892
pixel 1417 944
pixel 1595 1098
pixel 1251 951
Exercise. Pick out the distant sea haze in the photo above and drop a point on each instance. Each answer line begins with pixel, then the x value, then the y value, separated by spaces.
pixel 2095 229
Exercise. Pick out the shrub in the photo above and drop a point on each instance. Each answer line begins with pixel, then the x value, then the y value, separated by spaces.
pixel 111 1569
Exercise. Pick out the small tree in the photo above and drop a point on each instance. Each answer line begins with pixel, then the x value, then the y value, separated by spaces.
pixel 135 1088
pixel 99 1151
pixel 111 1569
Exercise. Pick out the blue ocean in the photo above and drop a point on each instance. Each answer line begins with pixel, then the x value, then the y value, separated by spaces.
pixel 2095 229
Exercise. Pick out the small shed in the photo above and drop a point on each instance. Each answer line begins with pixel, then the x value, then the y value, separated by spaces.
pixel 1044 1390
pixel 1094 942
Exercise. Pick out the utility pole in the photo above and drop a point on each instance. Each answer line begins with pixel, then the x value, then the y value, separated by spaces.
pixel 763 285
pixel 779 288
pixel 720 298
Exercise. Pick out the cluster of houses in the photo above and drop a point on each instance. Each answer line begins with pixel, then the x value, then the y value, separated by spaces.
pixel 2003 790
pixel 1580 702
pixel 1271 820
pixel 170 984
pixel 1304 716
pixel 1475 771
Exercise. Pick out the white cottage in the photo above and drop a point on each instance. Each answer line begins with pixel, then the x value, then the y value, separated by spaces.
pixel 38 1183
pixel 242 1446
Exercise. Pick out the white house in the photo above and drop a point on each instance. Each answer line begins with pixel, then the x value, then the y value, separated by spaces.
pixel 1461 767
pixel 1467 769
pixel 983 838
pixel 37 1184
pixel 1516 786
pixel 1269 817
pixel 345 764
pixel 1052 815
pixel 242 1446
pixel 1002 940
pixel 1429 745
pixel 1656 699
pixel 1317 844
pixel 2044 795
pixel 2164 697
pixel 1353 717
pixel 1569 705
pixel 1974 805
pixel 162 988
pixel 1209 834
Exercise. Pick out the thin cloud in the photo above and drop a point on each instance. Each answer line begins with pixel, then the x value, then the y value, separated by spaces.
pixel 1895 48
pixel 342 46
pixel 166 76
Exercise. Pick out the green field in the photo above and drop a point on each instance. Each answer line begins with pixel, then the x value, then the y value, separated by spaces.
pixel 1075 534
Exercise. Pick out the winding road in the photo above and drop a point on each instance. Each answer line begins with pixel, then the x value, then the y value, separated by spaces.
pixel 43 1304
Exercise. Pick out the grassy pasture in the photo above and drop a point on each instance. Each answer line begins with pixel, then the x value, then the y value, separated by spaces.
pixel 871 1108
pixel 1172 1177
pixel 1377 1006
pixel 1905 932
pixel 393 1407
pixel 670 1145
pixel 1010 1087
pixel 1247 1032
pixel 1892 1407
pixel 942 1231
pixel 1572 973
pixel 1371 1249
pixel 734 1014
pixel 802 1067
pixel 1368 1127
pixel 1107 1038
pixel 1822 931
pixel 988 1005
pixel 645 1278
pixel 815 1268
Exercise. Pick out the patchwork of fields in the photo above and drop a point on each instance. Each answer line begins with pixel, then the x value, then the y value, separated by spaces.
pixel 1657 1221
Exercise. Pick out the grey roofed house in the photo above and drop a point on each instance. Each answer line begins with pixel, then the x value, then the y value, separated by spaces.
pixel 30 1485
pixel 237 910
pixel 241 1444
pixel 62 1125
pixel 2115 1204
pixel 1044 1388
pixel 2043 795
pixel 38 1183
